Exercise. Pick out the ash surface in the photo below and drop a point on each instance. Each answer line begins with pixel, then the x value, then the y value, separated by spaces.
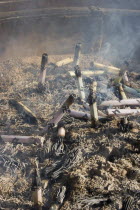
pixel 90 168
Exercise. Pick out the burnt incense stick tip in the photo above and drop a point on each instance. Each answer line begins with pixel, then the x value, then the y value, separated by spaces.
pixel 72 98
pixel 77 71
pixel 51 126
pixel 44 61
pixel 61 124
pixel 78 45
pixel 92 99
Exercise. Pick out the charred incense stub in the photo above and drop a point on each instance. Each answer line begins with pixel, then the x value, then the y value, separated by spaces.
pixel 77 54
pixel 124 122
pixel 124 125
pixel 37 189
pixel 80 82
pixel 93 105
pixel 44 62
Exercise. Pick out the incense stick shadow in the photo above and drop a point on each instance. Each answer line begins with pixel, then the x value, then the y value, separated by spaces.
pixel 32 69
pixel 30 91
pixel 109 133
pixel 134 143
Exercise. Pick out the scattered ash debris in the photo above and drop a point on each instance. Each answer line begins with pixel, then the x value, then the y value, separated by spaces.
pixel 78 166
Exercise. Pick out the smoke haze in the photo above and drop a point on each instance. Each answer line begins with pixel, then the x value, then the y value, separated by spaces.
pixel 111 35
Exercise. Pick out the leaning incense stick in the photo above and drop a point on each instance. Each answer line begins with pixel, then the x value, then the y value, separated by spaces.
pixel 122 93
pixel 64 62
pixel 59 114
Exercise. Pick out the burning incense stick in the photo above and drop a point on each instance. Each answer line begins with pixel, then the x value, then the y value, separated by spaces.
pixel 80 82
pixel 77 54
pixel 44 62
pixel 37 194
pixel 93 104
